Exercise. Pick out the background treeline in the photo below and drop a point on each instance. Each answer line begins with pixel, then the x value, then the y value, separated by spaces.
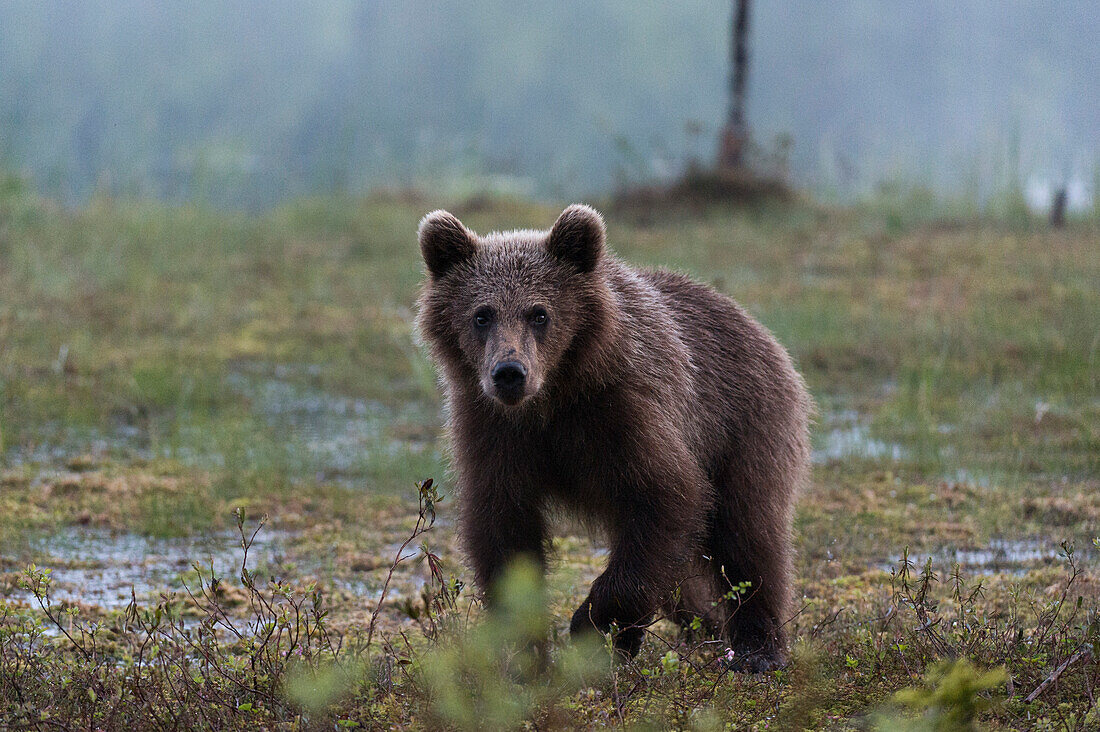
pixel 245 103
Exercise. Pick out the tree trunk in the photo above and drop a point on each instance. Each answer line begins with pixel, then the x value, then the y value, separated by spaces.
pixel 735 134
pixel 1058 208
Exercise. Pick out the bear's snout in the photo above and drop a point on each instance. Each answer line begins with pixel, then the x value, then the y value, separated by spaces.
pixel 509 381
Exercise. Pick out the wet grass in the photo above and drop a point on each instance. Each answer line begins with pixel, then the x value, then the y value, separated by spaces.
pixel 161 367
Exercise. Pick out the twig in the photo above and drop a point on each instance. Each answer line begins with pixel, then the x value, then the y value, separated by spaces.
pixel 425 520
pixel 1084 651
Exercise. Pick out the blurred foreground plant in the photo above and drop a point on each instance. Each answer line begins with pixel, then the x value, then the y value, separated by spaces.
pixel 951 698
pixel 499 673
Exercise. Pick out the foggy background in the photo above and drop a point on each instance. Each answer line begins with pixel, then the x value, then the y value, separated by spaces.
pixel 244 104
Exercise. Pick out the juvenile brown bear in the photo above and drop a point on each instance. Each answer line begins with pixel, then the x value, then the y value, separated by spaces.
pixel 641 401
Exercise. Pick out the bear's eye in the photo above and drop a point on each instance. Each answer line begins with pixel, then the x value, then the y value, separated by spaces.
pixel 483 317
pixel 539 316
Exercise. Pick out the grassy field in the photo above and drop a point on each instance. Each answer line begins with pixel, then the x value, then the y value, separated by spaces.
pixel 162 369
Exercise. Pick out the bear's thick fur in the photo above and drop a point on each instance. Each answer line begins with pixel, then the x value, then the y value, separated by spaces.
pixel 640 400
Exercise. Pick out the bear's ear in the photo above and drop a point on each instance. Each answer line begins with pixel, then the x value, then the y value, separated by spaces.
pixel 578 237
pixel 444 242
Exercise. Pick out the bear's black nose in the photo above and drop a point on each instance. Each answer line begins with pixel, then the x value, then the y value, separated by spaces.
pixel 509 376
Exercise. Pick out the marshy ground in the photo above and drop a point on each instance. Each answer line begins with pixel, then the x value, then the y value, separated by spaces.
pixel 162 367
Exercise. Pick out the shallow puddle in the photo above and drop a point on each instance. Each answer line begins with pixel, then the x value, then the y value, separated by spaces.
pixel 307 432
pixel 846 436
pixel 1000 556
pixel 62 444
pixel 99 567
pixel 326 434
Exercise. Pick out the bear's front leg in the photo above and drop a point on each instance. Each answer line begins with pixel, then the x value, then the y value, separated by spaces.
pixel 498 528
pixel 658 524
pixel 608 603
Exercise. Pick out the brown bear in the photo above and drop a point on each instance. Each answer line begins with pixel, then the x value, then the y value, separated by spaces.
pixel 641 401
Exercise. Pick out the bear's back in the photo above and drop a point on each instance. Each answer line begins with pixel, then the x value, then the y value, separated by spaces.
pixel 744 378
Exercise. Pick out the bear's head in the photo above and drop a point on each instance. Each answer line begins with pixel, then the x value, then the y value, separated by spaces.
pixel 507 312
